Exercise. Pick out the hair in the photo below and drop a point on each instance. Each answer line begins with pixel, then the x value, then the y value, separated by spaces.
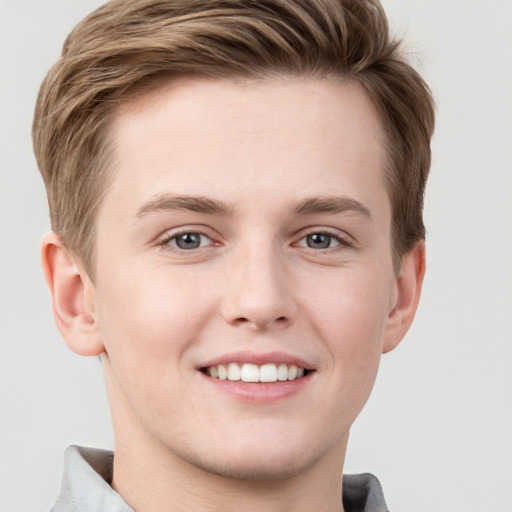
pixel 128 46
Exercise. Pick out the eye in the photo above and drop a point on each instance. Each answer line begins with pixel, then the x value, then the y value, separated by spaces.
pixel 319 241
pixel 188 241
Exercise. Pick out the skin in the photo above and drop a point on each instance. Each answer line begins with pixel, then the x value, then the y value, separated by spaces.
pixel 281 160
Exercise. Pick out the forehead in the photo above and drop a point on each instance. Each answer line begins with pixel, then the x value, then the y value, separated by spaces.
pixel 285 131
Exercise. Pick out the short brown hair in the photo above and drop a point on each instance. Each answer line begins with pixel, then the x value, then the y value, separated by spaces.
pixel 126 46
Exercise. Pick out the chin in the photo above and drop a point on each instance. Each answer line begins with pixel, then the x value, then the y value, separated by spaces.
pixel 261 469
pixel 260 460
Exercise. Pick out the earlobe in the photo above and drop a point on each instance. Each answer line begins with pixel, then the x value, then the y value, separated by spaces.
pixel 71 292
pixel 408 285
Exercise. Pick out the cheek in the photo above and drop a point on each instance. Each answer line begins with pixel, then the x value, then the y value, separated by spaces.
pixel 352 322
pixel 354 311
pixel 147 323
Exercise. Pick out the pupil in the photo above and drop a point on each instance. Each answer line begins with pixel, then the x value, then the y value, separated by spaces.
pixel 318 241
pixel 188 241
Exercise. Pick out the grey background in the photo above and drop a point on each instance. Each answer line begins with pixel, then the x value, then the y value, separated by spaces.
pixel 438 427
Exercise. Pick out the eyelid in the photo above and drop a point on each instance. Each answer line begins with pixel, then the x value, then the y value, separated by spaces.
pixel 174 240
pixel 343 239
pixel 165 239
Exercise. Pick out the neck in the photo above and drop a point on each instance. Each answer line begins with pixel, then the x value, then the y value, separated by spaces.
pixel 152 479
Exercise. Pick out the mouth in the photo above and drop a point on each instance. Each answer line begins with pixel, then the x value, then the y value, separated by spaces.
pixel 248 372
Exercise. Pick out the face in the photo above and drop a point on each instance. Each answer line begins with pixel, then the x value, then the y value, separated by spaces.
pixel 244 281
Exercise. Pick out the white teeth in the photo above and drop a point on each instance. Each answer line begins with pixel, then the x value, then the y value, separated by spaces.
pixel 223 372
pixel 250 373
pixel 233 371
pixel 268 373
pixel 282 372
pixel 247 372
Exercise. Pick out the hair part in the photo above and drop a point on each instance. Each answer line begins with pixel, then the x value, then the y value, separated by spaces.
pixel 126 47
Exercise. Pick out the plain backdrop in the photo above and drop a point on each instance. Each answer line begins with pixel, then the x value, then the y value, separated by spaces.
pixel 437 430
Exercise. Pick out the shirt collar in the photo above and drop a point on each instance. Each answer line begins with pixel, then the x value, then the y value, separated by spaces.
pixel 86 482
pixel 88 474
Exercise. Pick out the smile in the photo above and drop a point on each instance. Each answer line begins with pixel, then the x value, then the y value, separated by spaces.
pixel 249 372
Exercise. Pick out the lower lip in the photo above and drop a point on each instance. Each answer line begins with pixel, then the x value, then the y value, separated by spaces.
pixel 259 392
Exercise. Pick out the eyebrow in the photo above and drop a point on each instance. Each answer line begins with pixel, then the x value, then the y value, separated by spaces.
pixel 200 204
pixel 330 204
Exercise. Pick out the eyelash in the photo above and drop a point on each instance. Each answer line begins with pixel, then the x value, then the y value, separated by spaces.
pixel 341 240
pixel 166 241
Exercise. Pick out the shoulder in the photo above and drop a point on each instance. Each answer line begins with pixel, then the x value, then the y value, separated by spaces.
pixel 363 493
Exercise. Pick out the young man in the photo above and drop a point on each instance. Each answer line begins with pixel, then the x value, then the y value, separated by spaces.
pixel 236 194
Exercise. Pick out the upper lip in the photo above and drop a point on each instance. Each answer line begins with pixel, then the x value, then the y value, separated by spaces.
pixel 259 359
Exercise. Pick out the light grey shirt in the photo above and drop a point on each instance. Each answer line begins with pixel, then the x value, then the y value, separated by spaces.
pixel 88 473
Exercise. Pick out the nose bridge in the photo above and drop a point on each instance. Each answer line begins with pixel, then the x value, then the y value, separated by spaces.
pixel 259 293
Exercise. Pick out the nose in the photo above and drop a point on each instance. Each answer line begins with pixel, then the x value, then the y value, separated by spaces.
pixel 259 293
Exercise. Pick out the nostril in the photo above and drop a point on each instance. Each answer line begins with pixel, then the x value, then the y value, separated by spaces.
pixel 259 323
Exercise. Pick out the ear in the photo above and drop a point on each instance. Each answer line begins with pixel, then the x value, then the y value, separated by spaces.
pixel 408 291
pixel 72 297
